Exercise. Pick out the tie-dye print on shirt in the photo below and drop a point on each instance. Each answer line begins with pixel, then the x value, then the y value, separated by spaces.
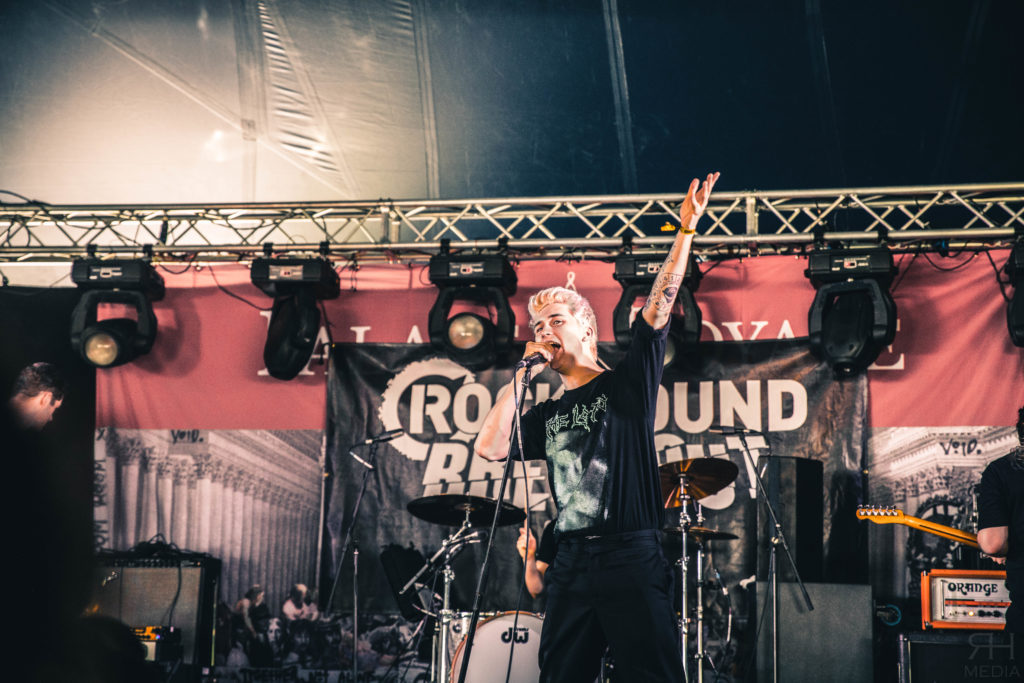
pixel 580 486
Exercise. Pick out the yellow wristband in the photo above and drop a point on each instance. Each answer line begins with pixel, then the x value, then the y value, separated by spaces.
pixel 668 227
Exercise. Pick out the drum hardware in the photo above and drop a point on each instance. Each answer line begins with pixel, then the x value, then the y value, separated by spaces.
pixel 728 600
pixel 703 477
pixel 684 483
pixel 453 510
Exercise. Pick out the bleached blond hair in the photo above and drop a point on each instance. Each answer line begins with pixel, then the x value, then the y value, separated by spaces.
pixel 578 306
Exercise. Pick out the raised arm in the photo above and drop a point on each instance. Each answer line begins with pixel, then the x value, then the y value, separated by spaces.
pixel 658 309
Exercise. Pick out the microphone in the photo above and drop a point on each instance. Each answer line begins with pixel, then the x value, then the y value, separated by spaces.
pixel 723 429
pixel 382 437
pixel 361 461
pixel 535 358
pixel 721 584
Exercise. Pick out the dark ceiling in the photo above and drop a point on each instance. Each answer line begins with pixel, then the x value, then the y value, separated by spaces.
pixel 134 101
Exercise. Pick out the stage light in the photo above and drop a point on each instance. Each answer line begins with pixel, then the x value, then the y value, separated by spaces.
pixel 483 280
pixel 853 315
pixel 636 274
pixel 114 341
pixel 295 285
pixel 466 331
pixel 1015 307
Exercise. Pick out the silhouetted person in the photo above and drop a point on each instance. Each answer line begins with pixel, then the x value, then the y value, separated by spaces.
pixel 52 641
pixel 1001 522
pixel 37 394
pixel 296 602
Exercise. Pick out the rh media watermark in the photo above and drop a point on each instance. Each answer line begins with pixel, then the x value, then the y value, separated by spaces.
pixel 992 659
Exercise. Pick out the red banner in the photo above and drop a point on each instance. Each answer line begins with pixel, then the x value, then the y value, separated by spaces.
pixel 952 362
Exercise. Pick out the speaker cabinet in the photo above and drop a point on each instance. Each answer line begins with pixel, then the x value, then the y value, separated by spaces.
pixel 832 642
pixel 796 491
pixel 954 657
pixel 178 592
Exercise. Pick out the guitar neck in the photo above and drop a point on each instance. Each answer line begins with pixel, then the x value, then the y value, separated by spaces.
pixel 942 530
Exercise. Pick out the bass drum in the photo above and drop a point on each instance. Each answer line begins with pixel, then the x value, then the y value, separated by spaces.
pixel 494 637
pixel 458 628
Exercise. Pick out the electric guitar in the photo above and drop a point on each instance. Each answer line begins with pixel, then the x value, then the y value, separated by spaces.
pixel 890 515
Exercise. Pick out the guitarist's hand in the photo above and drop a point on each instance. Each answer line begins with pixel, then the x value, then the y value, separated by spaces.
pixel 997 560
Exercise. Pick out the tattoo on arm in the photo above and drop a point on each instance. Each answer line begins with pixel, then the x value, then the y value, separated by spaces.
pixel 663 292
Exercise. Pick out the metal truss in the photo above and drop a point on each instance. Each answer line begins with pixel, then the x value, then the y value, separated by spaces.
pixel 736 224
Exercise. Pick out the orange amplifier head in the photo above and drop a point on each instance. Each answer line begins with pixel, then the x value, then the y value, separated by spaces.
pixel 162 643
pixel 964 598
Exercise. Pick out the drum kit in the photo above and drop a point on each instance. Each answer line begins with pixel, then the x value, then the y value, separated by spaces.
pixel 683 484
pixel 496 633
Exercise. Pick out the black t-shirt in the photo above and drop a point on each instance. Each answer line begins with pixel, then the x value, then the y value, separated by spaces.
pixel 548 546
pixel 598 440
pixel 1001 502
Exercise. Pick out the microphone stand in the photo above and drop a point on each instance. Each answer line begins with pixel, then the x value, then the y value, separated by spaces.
pixel 481 581
pixel 778 539
pixel 368 467
pixel 355 610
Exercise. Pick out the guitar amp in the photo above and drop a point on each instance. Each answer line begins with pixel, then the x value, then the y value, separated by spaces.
pixel 964 599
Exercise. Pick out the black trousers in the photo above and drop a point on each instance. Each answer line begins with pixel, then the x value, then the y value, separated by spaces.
pixel 614 592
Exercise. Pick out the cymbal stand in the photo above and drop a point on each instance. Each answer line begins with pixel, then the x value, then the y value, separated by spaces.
pixel 450 547
pixel 444 625
pixel 685 523
pixel 699 654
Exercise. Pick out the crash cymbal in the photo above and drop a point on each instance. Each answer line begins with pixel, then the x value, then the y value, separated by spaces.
pixel 701 533
pixel 450 509
pixel 704 476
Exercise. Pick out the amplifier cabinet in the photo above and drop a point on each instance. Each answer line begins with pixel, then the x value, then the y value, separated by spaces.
pixel 794 487
pixel 830 643
pixel 964 599
pixel 955 657
pixel 169 592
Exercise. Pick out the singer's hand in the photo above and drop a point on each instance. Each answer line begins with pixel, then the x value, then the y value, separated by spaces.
pixel 696 200
pixel 545 349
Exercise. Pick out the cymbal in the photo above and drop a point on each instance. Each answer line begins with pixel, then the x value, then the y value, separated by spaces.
pixel 450 509
pixel 704 476
pixel 701 533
